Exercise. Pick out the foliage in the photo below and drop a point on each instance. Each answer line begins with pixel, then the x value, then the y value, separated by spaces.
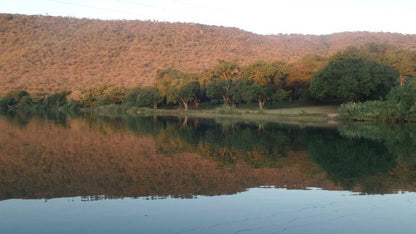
pixel 266 74
pixel 266 79
pixel 222 89
pixel 14 98
pixel 190 92
pixel 300 73
pixel 370 110
pixel 259 93
pixel 144 97
pixel 224 70
pixel 351 78
pixel 22 100
pixel 77 54
pixel 404 95
pixel 103 95
pixel 399 106
pixel 170 78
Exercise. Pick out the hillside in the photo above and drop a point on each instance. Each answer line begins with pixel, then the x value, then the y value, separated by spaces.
pixel 49 54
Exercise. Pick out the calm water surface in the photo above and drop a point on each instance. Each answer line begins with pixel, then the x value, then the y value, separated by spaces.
pixel 177 175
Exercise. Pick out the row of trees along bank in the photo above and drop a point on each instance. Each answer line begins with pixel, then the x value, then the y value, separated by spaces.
pixel 355 74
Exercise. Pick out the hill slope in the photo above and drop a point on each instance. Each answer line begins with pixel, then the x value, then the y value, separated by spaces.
pixel 48 54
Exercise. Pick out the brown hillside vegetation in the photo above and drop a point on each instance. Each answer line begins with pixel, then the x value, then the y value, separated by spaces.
pixel 50 54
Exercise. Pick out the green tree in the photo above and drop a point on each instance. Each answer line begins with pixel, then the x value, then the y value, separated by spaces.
pixel 94 96
pixel 56 100
pixel 225 70
pixel 144 97
pixel 267 79
pixel 259 93
pixel 171 78
pixel 264 73
pixel 190 92
pixel 300 74
pixel 222 89
pixel 352 79
pixel 15 99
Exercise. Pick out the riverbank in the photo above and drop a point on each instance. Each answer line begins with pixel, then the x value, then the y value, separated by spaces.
pixel 300 115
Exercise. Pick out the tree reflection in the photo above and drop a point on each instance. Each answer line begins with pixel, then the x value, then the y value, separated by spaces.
pixel 347 161
pixel 167 156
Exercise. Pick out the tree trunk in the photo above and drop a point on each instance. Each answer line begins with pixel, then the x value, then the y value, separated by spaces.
pixel 401 79
pixel 261 104
pixel 185 104
pixel 197 103
pixel 225 100
pixel 155 105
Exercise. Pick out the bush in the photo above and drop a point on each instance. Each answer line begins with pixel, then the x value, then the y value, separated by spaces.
pixel 371 110
pixel 399 106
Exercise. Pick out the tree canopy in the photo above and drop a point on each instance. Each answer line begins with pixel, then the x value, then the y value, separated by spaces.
pixel 351 78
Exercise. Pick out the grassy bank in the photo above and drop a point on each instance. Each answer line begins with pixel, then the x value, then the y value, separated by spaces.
pixel 304 115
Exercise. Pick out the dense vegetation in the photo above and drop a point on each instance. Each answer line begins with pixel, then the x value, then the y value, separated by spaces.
pixel 22 100
pixel 53 54
pixel 369 73
pixel 147 64
pixel 352 79
pixel 400 105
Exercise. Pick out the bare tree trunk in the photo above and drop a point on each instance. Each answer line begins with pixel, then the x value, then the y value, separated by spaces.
pixel 401 79
pixel 185 105
pixel 225 100
pixel 261 104
pixel 197 103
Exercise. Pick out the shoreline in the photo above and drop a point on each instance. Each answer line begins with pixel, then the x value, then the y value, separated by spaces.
pixel 322 116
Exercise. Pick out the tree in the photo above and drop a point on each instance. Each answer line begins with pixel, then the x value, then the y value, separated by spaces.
pixel 222 89
pixel 259 93
pixel 115 94
pixel 149 97
pixel 179 87
pixel 300 74
pixel 15 99
pixel 264 73
pixel 56 100
pixel 225 70
pixel 352 79
pixel 385 54
pixel 183 95
pixel 144 97
pixel 94 96
pixel 171 78
pixel 266 78
pixel 190 92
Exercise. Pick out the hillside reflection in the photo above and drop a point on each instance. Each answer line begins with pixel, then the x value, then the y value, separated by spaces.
pixel 98 157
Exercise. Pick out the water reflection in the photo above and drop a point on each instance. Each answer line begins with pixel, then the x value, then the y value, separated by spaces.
pixel 168 156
